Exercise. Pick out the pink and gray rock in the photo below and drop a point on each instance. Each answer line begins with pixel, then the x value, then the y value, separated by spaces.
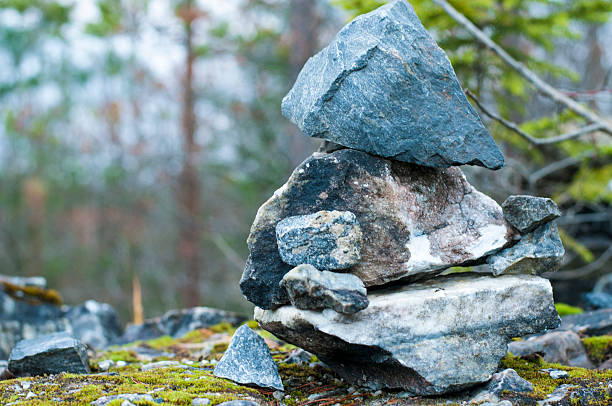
pixel 429 338
pixel 415 221
pixel 384 86
pixel 328 240
pixel 563 347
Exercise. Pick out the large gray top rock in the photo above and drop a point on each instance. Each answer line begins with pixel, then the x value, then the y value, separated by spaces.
pixel 247 360
pixel 415 221
pixel 49 354
pixel 325 239
pixel 384 86
pixel 429 338
pixel 527 213
pixel 311 289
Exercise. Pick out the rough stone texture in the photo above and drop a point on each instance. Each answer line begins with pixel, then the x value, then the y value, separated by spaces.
pixel 526 213
pixel 536 253
pixel 384 86
pixel 326 239
pixel 429 338
pixel 298 357
pixel 506 380
pixel 561 395
pixel 248 361
pixel 177 323
pixel 592 323
pixel 129 397
pixel 563 347
pixel 238 403
pixel 95 324
pixel 311 289
pixel 415 221
pixel 50 354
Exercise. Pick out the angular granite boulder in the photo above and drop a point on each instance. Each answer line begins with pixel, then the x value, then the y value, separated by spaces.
pixel 326 239
pixel 49 354
pixel 311 289
pixel 384 86
pixel 536 253
pixel 247 360
pixel 430 338
pixel 526 213
pixel 415 221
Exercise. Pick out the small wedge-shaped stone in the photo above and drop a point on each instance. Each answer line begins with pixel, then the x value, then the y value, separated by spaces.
pixel 415 221
pixel 526 213
pixel 536 253
pixel 311 289
pixel 385 87
pixel 326 239
pixel 436 337
pixel 49 354
pixel 247 360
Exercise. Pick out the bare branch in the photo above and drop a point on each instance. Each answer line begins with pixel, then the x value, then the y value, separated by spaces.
pixel 582 271
pixel 536 141
pixel 538 83
pixel 557 166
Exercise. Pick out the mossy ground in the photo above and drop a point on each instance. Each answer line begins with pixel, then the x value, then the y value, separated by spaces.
pixel 198 351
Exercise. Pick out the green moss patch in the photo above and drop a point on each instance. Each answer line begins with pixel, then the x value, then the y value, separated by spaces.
pixel 598 348
pixel 565 310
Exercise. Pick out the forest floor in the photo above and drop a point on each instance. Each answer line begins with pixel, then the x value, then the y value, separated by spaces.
pixel 177 371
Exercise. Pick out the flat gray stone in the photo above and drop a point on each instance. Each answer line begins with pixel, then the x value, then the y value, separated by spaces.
pixel 384 86
pixel 49 354
pixel 435 337
pixel 506 380
pixel 563 347
pixel 311 289
pixel 536 253
pixel 526 213
pixel 247 360
pixel 415 221
pixel 129 397
pixel 591 323
pixel 325 239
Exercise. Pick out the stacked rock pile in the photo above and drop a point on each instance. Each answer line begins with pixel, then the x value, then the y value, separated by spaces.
pixel 353 258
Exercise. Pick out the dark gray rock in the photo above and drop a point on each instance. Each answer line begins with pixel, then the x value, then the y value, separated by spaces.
pixel 384 86
pixel 247 360
pixel 429 338
pixel 526 213
pixel 50 354
pixel 23 318
pixel 177 323
pixel 597 300
pixel 563 347
pixel 95 324
pixel 298 357
pixel 415 221
pixel 591 323
pixel 536 253
pixel 311 289
pixel 325 239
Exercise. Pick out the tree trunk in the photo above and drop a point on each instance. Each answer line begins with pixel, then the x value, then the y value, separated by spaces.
pixel 189 185
pixel 304 26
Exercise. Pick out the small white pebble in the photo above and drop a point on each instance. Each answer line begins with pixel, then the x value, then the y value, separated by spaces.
pixel 377 393
pixel 26 385
pixel 30 395
pixel 121 364
pixel 278 395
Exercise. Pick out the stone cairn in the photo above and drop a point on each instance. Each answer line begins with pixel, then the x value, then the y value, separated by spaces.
pixel 352 259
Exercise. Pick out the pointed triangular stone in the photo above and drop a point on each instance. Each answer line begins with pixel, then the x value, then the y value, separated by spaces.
pixel 384 86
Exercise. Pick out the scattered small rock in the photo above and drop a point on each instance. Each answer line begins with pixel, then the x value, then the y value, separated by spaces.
pixel 298 357
pixel 95 324
pixel 161 364
pixel 591 323
pixel 555 373
pixel 200 402
pixel 130 397
pixel 278 395
pixel 597 300
pixel 563 347
pixel 526 213
pixel 506 380
pixel 49 354
pixel 247 360
pixel 105 365
pixel 311 289
pixel 561 393
pixel 238 403
pixel 607 364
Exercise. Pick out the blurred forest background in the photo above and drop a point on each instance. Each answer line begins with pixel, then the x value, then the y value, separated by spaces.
pixel 139 137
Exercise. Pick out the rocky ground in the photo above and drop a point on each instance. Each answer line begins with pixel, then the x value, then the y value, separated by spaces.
pixel 173 371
